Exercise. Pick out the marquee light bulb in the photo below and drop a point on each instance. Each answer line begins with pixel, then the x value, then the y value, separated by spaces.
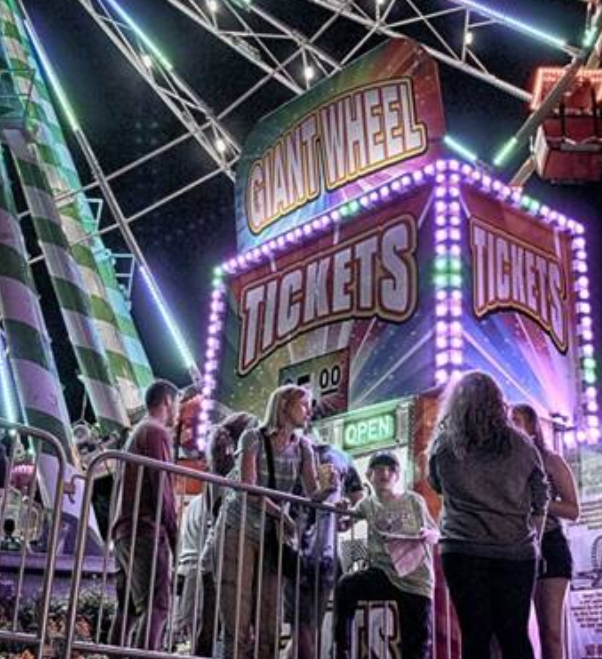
pixel 309 73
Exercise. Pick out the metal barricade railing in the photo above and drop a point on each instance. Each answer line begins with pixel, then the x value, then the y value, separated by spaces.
pixel 19 528
pixel 227 600
pixel 245 592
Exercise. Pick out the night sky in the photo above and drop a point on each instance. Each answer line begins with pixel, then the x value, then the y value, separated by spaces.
pixel 183 241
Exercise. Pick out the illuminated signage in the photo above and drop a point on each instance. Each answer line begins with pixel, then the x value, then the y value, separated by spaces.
pixel 376 119
pixel 369 431
pixel 364 130
pixel 372 274
pixel 509 273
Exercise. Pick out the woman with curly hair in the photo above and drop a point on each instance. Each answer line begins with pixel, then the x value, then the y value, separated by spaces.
pixel 495 494
pixel 556 568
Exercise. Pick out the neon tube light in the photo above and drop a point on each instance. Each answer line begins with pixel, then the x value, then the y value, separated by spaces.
pixel 141 35
pixel 514 23
pixel 181 346
pixel 185 353
pixel 54 81
pixel 504 153
pixel 9 404
pixel 446 177
pixel 460 149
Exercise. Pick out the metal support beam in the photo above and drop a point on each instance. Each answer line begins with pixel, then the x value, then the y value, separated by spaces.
pixel 175 93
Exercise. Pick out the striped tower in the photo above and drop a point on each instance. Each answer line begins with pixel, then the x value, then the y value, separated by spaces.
pixel 33 366
pixel 68 286
pixel 127 359
pixel 109 310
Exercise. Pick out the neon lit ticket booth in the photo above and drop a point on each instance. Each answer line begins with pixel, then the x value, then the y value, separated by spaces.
pixel 371 269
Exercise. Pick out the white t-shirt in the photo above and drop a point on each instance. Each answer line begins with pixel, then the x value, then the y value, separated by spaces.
pixel 403 515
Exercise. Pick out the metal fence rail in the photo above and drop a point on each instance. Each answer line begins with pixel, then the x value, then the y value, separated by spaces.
pixel 17 561
pixel 250 495
pixel 213 608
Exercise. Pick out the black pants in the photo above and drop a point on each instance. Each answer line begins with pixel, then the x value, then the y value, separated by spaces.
pixel 415 611
pixel 491 597
pixel 204 641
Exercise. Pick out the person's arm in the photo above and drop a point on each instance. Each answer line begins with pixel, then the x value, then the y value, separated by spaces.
pixel 566 505
pixel 156 440
pixel 429 532
pixel 360 512
pixel 248 458
pixel 356 496
pixel 540 493
pixel 309 474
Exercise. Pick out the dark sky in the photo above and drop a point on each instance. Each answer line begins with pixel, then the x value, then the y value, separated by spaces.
pixel 123 119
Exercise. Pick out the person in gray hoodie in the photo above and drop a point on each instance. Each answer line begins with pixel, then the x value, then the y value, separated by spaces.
pixel 495 495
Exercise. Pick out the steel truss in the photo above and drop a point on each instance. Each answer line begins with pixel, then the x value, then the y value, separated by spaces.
pixel 277 42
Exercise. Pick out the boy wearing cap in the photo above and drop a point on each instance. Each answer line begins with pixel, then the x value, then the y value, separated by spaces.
pixel 401 533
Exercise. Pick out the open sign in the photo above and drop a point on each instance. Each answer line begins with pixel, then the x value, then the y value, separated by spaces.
pixel 366 432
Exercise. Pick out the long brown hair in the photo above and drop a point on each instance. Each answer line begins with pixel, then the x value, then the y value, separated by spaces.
pixel 532 424
pixel 473 417
pixel 224 441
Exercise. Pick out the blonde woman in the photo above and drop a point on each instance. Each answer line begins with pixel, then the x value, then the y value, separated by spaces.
pixel 273 455
pixel 556 568
pixel 493 486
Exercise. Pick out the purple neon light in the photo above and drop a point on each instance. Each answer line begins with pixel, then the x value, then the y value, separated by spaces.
pixel 448 175
pixel 447 237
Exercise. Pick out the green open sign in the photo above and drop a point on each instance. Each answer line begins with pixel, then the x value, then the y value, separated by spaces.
pixel 367 431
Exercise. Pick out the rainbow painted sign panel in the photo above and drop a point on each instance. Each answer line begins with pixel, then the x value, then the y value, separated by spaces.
pixel 521 326
pixel 360 128
pixel 348 313
pixel 439 271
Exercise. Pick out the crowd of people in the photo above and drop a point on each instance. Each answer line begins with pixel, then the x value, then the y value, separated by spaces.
pixel 248 562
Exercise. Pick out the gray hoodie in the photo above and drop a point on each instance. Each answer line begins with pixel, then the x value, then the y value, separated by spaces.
pixel 489 500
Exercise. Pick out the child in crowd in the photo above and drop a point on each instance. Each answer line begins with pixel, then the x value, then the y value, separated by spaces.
pixel 400 537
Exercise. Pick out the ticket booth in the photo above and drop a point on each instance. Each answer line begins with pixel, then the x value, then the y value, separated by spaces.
pixel 373 270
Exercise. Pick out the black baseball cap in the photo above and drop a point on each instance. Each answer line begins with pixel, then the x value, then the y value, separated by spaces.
pixel 384 459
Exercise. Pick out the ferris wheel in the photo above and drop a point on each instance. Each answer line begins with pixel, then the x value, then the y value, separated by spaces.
pixel 295 45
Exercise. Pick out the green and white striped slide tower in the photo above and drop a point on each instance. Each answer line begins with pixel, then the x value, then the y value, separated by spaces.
pixel 65 276
pixel 68 286
pixel 127 359
pixel 38 386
